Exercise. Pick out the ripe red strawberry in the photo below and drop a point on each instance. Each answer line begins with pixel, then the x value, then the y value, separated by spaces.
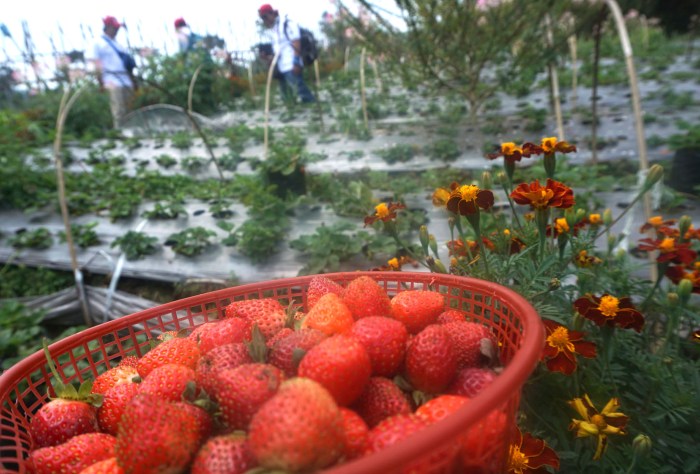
pixel 204 420
pixel 488 435
pixel 339 363
pixel 385 341
pixel 356 433
pixel 218 333
pixel 474 343
pixel 71 413
pixel 240 392
pixel 270 343
pixel 431 361
pixel 381 399
pixel 365 298
pixel 108 466
pixel 180 350
pixel 400 427
pixel 289 350
pixel 124 372
pixel 156 436
pixel 451 316
pixel 417 309
pixel 267 313
pixel 319 286
pixel 299 429
pixel 221 358
pixel 440 407
pixel 73 456
pixel 168 382
pixel 329 315
pixel 471 381
pixel 113 404
pixel 228 454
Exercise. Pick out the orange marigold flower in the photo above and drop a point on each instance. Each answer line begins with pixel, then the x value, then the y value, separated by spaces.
pixel 599 424
pixel 656 222
pixel 441 196
pixel 583 260
pixel 595 219
pixel 561 347
pixel 384 212
pixel 468 198
pixel 670 250
pixel 677 273
pixel 529 216
pixel 553 194
pixel 512 153
pixel 552 144
pixel 530 454
pixel 561 225
pixel 608 310
pixel 460 249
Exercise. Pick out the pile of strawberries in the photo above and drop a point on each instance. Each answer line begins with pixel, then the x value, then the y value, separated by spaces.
pixel 272 389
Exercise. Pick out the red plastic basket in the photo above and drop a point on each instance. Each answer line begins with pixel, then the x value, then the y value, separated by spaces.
pixel 23 388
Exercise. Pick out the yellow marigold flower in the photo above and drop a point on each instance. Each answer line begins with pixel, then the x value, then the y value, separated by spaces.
pixel 609 305
pixel 381 210
pixel 599 424
pixel 394 264
pixel 506 232
pixel 441 196
pixel 530 454
pixel 549 144
pixel 595 219
pixel 667 245
pixel 561 225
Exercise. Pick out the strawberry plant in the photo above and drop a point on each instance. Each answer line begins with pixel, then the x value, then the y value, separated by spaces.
pixel 166 161
pixel 166 210
pixel 39 238
pixel 329 246
pixel 83 234
pixel 136 245
pixel 193 164
pixel 181 140
pixel 230 240
pixel 191 242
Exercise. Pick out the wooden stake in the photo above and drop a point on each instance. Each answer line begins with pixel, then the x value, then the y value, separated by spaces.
pixel 554 83
pixel 573 49
pixel 377 77
pixel 251 82
pixel 362 87
pixel 347 58
pixel 270 71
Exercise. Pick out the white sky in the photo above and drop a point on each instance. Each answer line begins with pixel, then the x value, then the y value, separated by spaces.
pixel 149 23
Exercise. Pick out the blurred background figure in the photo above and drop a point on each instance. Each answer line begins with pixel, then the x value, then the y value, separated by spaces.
pixel 114 68
pixel 186 39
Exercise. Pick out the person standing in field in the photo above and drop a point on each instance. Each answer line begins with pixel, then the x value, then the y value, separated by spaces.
pixel 114 73
pixel 285 38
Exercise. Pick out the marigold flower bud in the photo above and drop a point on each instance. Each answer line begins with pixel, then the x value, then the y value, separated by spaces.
pixel 433 244
pixel 451 221
pixel 684 224
pixel 654 175
pixel 423 236
pixel 436 265
pixel 685 288
pixel 672 299
pixel 642 445
pixel 502 178
pixel 554 284
pixel 486 180
pixel 607 217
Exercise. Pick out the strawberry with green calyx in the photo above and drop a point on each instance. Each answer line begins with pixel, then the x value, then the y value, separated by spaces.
pixel 73 456
pixel 124 372
pixel 339 363
pixel 221 358
pixel 474 344
pixel 228 454
pixel 417 309
pixel 300 429
pixel 156 436
pixel 69 413
pixel 288 351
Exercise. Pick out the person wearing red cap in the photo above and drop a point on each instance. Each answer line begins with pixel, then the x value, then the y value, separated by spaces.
pixel 186 40
pixel 286 42
pixel 114 73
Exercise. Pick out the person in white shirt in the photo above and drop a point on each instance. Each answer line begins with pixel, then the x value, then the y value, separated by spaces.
pixel 285 40
pixel 112 74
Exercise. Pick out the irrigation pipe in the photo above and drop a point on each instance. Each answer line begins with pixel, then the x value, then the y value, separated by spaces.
pixel 362 88
pixel 63 110
pixel 554 78
pixel 270 71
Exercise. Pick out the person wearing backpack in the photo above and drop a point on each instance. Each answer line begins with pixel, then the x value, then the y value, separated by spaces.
pixel 114 68
pixel 186 39
pixel 286 39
